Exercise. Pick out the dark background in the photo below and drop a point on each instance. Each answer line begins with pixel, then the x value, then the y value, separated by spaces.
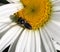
pixel 5 2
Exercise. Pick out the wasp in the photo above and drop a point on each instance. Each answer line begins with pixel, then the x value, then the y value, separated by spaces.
pixel 24 23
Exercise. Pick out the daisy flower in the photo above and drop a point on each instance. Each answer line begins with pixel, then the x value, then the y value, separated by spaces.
pixel 30 26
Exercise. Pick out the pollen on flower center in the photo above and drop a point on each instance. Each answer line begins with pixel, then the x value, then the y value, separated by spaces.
pixel 36 12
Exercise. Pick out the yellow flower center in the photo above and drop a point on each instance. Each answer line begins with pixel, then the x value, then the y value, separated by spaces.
pixel 36 12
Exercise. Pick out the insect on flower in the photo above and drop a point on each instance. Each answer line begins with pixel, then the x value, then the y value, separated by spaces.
pixel 42 23
pixel 24 23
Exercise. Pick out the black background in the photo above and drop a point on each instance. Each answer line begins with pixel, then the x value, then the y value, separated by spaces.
pixel 5 2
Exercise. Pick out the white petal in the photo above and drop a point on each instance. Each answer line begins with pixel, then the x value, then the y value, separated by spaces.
pixel 57 45
pixel 28 44
pixel 13 45
pixel 13 1
pixel 9 37
pixel 22 42
pixel 56 16
pixel 55 1
pixel 1 24
pixel 33 42
pixel 54 31
pixel 7 26
pixel 4 28
pixel 49 47
pixel 7 10
pixel 38 41
pixel 56 8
